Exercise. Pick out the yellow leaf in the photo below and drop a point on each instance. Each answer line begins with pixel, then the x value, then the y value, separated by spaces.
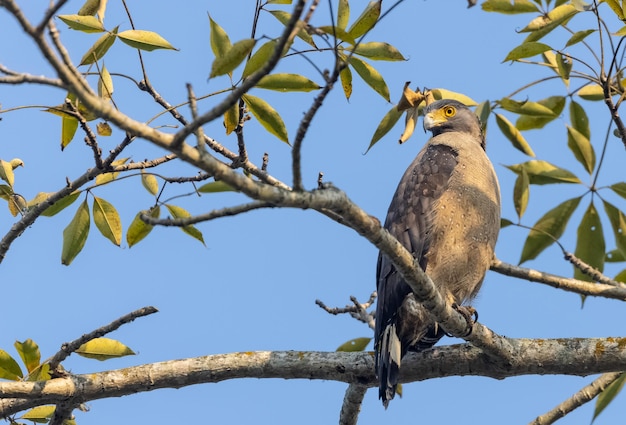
pixel 107 220
pixel 105 84
pixel 82 23
pixel 377 50
pixel 343 14
pixel 145 40
pixel 287 82
pixel 514 135
pixel 39 414
pixel 178 212
pixel 284 18
pixel 526 50
pixel 6 172
pixel 103 129
pixel 29 352
pixel 345 75
pixel 9 369
pixel 231 118
pixel 214 187
pixel 104 349
pixel 591 92
pixel 150 182
pixel 447 94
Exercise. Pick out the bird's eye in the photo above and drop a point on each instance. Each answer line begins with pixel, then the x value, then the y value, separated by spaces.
pixel 449 111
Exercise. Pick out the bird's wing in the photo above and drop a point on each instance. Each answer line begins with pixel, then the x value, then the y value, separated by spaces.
pixel 409 220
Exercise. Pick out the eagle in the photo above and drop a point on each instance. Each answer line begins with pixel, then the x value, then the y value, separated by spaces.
pixel 446 212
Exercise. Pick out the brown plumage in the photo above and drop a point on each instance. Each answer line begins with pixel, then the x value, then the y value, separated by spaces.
pixel 446 212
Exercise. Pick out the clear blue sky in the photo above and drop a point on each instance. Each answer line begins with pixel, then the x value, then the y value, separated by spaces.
pixel 254 285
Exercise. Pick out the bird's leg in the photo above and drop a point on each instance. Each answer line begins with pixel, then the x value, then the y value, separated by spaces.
pixel 469 313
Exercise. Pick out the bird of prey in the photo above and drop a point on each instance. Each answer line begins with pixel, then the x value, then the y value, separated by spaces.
pixel 446 212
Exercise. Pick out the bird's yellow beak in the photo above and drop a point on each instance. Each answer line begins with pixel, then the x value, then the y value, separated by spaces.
pixel 434 119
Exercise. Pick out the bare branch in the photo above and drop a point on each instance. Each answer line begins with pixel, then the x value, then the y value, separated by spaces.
pixel 583 396
pixel 211 215
pixel 14 77
pixel 62 412
pixel 567 284
pixel 356 310
pixel 69 347
pixel 595 274
pixel 575 356
pixel 352 402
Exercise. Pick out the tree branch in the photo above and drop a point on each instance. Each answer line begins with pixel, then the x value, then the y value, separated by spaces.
pixel 567 284
pixel 351 406
pixel 583 396
pixel 575 356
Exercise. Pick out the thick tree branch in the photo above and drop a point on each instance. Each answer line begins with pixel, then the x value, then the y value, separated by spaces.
pixel 351 406
pixel 575 356
pixel 567 284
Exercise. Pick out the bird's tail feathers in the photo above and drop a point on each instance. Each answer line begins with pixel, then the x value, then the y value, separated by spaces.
pixel 389 355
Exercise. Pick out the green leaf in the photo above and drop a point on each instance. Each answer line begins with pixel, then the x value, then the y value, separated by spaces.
pixel 590 245
pixel 287 83
pixel 232 58
pixel 528 122
pixel 9 369
pixel 387 123
pixel 579 119
pixel 107 220
pixel 617 9
pixel 607 396
pixel 619 188
pixel 367 20
pixel 337 32
pixel 505 222
pixel 86 24
pixel 514 135
pixel 215 187
pixel 178 212
pixel 60 205
pixel 521 193
pixel 259 58
pixel 5 192
pixel 6 172
pixel 542 172
pixel 618 224
pixel 231 118
pixel 29 352
pixel 547 229
pixel 138 228
pixel 100 47
pixel 578 37
pixel 592 92
pixel 145 40
pixel 39 414
pixel 526 50
pixel 377 50
pixel 105 84
pixel 284 18
pixel 343 14
pixel 525 107
pixel 564 67
pixel 267 116
pixel 447 94
pixel 69 125
pixel 483 110
pixel 356 344
pixel 220 42
pixel 581 146
pixel 371 76
pixel 149 181
pixel 345 75
pixel 544 24
pixel 615 256
pixel 508 8
pixel 104 349
pixel 75 234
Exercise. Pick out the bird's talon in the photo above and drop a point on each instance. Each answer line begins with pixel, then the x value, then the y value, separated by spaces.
pixel 469 313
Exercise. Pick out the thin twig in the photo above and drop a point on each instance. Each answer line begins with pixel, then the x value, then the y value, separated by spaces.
pixel 69 347
pixel 559 282
pixel 211 215
pixel 583 396
pixel 590 271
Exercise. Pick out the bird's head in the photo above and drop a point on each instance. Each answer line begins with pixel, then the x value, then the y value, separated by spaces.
pixel 448 115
